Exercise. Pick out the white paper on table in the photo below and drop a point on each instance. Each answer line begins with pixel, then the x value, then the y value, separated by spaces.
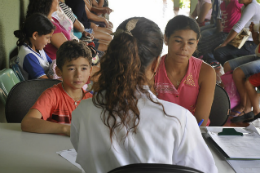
pixel 245 166
pixel 238 147
pixel 71 156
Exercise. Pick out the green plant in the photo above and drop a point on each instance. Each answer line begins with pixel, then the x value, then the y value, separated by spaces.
pixel 185 4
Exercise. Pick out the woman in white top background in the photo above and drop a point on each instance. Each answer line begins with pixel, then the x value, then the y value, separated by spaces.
pixel 125 122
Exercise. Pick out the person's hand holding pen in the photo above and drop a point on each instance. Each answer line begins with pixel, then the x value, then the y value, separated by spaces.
pixel 201 122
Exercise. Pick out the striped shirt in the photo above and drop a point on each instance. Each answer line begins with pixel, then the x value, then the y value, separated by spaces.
pixel 67 10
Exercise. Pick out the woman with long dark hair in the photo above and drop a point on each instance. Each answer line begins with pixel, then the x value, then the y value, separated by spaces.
pixel 125 122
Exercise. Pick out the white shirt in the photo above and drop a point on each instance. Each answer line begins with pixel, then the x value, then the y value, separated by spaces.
pixel 159 138
pixel 250 13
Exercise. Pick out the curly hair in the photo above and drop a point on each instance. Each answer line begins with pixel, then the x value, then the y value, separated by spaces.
pixel 39 6
pixel 122 74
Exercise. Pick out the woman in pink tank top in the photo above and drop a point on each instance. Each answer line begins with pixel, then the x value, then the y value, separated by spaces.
pixel 182 78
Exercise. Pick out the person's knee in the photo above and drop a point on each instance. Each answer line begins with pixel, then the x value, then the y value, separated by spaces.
pixel 227 67
pixel 93 26
pixel 238 74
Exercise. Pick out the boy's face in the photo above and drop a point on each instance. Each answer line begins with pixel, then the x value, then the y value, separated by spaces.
pixel 75 73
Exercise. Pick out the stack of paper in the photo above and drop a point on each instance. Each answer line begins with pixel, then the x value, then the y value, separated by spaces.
pixel 241 152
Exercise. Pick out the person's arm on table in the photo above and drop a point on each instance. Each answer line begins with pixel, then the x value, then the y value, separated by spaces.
pixel 32 122
pixel 207 82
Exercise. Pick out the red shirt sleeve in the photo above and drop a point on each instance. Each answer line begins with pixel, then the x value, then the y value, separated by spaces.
pixel 44 103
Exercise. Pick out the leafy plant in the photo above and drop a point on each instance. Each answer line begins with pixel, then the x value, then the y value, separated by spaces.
pixel 185 3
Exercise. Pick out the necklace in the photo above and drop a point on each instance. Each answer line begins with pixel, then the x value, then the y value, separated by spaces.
pixel 177 81
pixel 75 101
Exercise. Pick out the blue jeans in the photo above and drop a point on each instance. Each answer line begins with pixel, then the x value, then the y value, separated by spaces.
pixel 249 64
pixel 229 52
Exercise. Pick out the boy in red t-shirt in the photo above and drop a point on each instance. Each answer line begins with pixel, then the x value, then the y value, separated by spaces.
pixel 52 111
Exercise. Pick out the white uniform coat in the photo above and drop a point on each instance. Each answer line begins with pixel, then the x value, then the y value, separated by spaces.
pixel 159 139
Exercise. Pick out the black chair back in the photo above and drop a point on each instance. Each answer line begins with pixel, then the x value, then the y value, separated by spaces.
pixel 154 168
pixel 23 96
pixel 220 108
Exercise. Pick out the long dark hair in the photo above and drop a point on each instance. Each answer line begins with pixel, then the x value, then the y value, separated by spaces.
pixel 35 23
pixel 122 73
pixel 39 6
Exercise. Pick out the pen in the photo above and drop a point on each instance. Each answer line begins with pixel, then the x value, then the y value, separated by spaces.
pixel 201 122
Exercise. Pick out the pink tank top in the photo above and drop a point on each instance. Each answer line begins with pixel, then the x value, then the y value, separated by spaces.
pixel 188 90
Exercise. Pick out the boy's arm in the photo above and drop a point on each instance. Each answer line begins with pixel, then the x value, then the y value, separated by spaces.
pixel 32 122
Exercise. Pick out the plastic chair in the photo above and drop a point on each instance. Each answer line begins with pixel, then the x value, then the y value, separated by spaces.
pixel 15 66
pixel 22 97
pixel 7 80
pixel 220 108
pixel 154 168
pixel 2 96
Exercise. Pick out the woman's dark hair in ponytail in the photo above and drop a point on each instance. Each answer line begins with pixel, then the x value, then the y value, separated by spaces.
pixel 35 23
pixel 122 73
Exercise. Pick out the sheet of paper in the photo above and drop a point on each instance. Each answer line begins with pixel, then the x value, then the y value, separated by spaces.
pixel 245 166
pixel 238 147
pixel 71 156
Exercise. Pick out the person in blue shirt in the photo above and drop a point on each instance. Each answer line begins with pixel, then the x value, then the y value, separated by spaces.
pixel 34 35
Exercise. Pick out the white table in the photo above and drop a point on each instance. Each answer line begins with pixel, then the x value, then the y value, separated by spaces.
pixel 220 161
pixel 22 152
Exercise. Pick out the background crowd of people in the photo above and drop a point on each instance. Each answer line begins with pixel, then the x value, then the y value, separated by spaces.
pixel 134 87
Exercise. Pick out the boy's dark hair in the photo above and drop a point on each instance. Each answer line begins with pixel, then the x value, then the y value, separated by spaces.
pixel 181 22
pixel 35 23
pixel 71 50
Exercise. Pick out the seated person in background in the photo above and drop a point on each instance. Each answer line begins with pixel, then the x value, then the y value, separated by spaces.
pixel 78 8
pixel 252 101
pixel 80 27
pixel 203 12
pixel 242 68
pixel 182 78
pixel 230 15
pixel 52 111
pixel 115 125
pixel 99 20
pixel 35 34
pixel 225 51
pixel 67 24
pixel 98 7
pixel 60 34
